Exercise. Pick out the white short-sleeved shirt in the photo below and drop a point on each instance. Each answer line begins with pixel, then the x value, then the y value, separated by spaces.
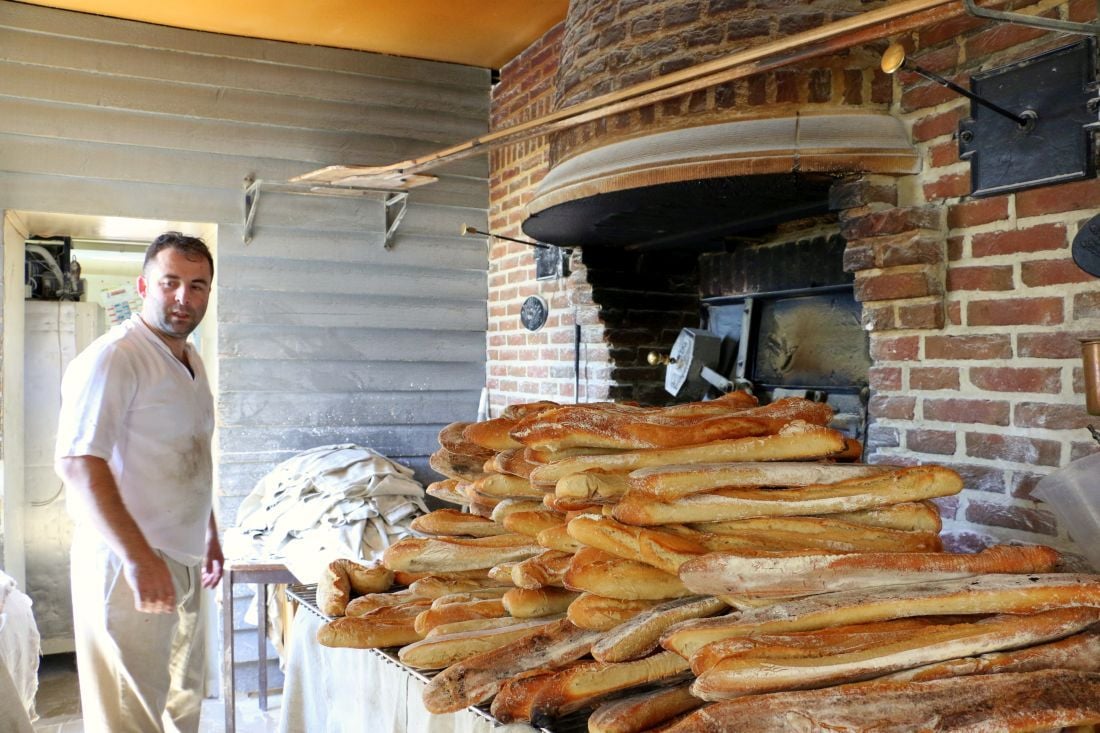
pixel 128 400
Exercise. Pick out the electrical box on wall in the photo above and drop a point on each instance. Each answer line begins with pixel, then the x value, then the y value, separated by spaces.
pixel 49 273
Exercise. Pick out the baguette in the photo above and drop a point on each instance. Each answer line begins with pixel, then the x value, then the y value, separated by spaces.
pixel 669 482
pixel 504 486
pixel 558 538
pixel 512 703
pixel 906 484
pixel 483 624
pixel 530 523
pixel 502 573
pixel 1080 652
pixel 437 586
pixel 450 522
pixel 617 427
pixel 384 627
pixel 582 685
pixel 449 613
pixel 457 466
pixel 453 439
pixel 981 594
pixel 1029 701
pixel 823 533
pixel 598 613
pixel 437 651
pixel 613 577
pixel 440 554
pixel 806 574
pixel 546 569
pixel 401 577
pixel 908 516
pixel 642 712
pixel 796 441
pixel 737 675
pixel 511 506
pixel 475 679
pixel 641 635
pixel 479 594
pixel 592 486
pixel 492 434
pixel 662 548
pixel 511 462
pixel 538 602
pixel 370 602
pixel 448 490
pixel 343 578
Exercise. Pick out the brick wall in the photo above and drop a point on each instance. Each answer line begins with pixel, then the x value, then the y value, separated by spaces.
pixel 974 305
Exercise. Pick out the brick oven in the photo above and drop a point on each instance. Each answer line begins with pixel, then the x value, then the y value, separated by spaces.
pixel 972 306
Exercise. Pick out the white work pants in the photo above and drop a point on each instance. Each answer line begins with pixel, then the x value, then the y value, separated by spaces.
pixel 139 672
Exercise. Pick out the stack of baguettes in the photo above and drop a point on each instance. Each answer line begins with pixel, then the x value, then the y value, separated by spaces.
pixel 717 566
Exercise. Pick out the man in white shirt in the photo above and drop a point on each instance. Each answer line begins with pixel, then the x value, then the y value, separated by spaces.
pixel 133 448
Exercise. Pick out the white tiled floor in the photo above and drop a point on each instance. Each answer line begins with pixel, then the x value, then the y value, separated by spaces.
pixel 58 704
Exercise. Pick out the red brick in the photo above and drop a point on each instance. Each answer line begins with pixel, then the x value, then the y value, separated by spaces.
pixel 955 247
pixel 891 221
pixel 933 378
pixel 892 408
pixel 1053 417
pixel 858 256
pixel 880 436
pixel 998 277
pixel 1034 239
pixel 948 506
pixel 998 38
pixel 920 315
pixel 887 379
pixel 1022 484
pixel 1014 449
pixel 947 30
pixel 907 249
pixel 1057 345
pixel 968 347
pixel 894 348
pixel 1080 450
pixel 946 187
pixel 1086 305
pixel 954 313
pixel 921 96
pixel 937 125
pixel 1015 311
pixel 944 154
pixel 891 285
pixel 1038 273
pixel 981 478
pixel 986 412
pixel 940 442
pixel 1056 199
pixel 879 317
pixel 1011 379
pixel 1011 517
pixel 965 542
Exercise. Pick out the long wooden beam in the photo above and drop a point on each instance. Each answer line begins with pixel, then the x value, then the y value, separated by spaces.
pixel 873 25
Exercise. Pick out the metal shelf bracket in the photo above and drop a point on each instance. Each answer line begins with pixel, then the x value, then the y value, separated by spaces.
pixel 395 202
pixel 1050 24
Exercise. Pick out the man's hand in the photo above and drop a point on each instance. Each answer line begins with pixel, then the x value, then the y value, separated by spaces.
pixel 213 562
pixel 151 582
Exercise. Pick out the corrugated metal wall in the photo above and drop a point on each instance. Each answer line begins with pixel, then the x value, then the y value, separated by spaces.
pixel 323 335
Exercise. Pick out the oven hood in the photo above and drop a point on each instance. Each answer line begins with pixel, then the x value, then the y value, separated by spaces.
pixel 696 186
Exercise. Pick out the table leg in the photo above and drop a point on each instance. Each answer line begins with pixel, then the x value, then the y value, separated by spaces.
pixel 228 689
pixel 261 641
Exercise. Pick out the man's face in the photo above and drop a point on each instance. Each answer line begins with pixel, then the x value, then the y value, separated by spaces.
pixel 175 290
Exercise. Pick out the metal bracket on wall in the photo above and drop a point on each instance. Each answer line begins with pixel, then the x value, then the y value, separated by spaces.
pixel 1049 24
pixel 395 202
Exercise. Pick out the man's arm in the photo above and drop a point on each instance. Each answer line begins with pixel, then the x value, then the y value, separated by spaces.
pixel 214 561
pixel 90 480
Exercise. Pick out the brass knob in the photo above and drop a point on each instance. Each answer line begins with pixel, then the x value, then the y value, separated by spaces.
pixel 893 58
pixel 656 358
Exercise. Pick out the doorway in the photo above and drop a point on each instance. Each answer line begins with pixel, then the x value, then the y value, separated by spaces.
pixel 67 280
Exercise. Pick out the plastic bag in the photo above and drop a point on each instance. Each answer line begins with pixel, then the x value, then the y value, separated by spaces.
pixel 1073 494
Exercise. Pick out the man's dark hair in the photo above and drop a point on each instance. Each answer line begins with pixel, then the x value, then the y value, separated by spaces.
pixel 188 246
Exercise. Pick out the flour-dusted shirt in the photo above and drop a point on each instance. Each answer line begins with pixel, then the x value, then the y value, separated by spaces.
pixel 128 400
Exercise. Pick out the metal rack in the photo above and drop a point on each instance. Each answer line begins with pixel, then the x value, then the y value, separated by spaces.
pixel 306 596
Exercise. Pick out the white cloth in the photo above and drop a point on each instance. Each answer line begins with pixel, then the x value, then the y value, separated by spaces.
pixel 128 400
pixel 19 648
pixel 356 691
pixel 327 502
pixel 139 672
